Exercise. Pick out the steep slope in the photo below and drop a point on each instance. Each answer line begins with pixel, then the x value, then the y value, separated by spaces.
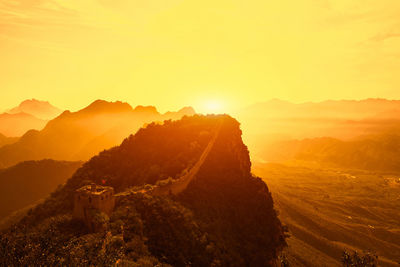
pixel 40 109
pixel 234 207
pixel 80 135
pixel 223 216
pixel 17 124
pixel 29 181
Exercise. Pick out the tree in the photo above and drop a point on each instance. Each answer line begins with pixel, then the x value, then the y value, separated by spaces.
pixel 366 259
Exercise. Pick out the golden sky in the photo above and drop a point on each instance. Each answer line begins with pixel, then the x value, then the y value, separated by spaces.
pixel 173 53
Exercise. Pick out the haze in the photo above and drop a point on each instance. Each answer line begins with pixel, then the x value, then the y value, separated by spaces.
pixel 176 53
pixel 201 133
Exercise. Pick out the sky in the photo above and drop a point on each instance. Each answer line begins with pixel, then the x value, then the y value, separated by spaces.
pixel 208 54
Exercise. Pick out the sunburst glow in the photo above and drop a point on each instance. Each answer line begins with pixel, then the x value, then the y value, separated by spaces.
pixel 212 106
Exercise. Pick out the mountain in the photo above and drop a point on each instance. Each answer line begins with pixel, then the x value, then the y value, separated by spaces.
pixel 29 181
pixel 40 109
pixel 80 135
pixel 371 152
pixel 17 124
pixel 4 140
pixel 277 120
pixel 185 196
pixel 29 115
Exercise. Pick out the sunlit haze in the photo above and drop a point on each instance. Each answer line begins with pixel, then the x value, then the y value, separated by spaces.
pixel 176 53
pixel 200 133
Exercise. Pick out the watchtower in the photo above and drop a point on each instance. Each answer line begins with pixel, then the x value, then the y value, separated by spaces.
pixel 90 199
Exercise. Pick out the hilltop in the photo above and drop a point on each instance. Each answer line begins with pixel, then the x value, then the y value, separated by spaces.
pixel 80 135
pixel 223 216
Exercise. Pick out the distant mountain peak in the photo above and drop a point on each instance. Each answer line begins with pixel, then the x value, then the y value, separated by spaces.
pixel 187 110
pixel 146 109
pixel 33 101
pixel 38 108
pixel 106 106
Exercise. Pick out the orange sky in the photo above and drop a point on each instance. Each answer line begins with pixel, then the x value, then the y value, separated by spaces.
pixel 207 53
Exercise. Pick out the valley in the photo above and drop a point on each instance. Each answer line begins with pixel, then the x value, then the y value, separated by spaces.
pixel 329 209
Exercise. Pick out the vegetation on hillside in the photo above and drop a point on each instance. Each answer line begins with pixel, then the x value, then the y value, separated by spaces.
pixel 224 217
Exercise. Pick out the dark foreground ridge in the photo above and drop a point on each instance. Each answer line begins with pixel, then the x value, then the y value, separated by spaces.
pixel 184 196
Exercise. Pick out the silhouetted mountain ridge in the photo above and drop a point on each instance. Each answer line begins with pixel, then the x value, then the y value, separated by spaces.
pixel 100 106
pixel 80 135
pixel 225 216
pixel 40 109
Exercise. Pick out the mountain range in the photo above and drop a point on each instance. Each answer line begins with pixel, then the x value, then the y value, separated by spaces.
pixel 82 134
pixel 14 125
pixel 274 121
pixel 30 114
pixel 40 109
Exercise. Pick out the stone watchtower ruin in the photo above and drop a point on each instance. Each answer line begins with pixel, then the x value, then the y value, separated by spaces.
pixel 91 201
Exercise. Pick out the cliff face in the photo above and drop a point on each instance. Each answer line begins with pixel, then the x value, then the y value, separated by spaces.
pixel 223 216
pixel 234 207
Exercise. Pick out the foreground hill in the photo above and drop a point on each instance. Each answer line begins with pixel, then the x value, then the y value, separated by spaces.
pixel 80 135
pixel 40 109
pixel 374 152
pixel 17 124
pixel 224 216
pixel 29 181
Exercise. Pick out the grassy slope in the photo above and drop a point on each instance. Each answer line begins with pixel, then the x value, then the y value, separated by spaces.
pixel 329 209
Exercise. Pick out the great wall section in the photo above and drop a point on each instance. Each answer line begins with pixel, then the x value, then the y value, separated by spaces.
pixel 94 199
pixel 181 183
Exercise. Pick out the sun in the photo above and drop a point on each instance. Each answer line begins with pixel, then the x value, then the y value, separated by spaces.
pixel 212 106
